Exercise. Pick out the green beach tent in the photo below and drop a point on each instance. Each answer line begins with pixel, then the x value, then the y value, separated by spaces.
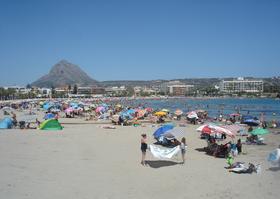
pixel 51 124
pixel 259 131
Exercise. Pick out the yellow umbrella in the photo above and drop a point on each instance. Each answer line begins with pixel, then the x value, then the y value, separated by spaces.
pixel 160 113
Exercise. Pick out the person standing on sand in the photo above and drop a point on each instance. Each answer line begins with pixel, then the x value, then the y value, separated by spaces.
pixel 14 118
pixel 183 149
pixel 144 147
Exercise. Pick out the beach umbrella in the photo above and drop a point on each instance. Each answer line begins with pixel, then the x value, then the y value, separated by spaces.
pixel 233 128
pixel 141 113
pixel 130 112
pixel 47 106
pixel 104 105
pixel 49 116
pixel 73 104
pixel 210 125
pixel 178 112
pixel 234 115
pixel 219 129
pixel 149 109
pixel 252 122
pixel 7 108
pixel 69 110
pixel 192 114
pixel 161 130
pixel 206 129
pixel 173 133
pixel 199 129
pixel 160 113
pixel 212 128
pixel 259 131
pixel 100 109
pixel 125 115
pixel 246 117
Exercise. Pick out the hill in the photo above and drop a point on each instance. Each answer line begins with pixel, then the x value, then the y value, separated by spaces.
pixel 64 73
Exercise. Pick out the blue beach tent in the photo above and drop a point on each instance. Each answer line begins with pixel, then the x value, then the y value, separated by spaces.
pixel 6 123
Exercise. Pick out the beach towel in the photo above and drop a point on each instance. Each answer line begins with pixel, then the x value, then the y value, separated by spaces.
pixel 164 153
pixel 274 157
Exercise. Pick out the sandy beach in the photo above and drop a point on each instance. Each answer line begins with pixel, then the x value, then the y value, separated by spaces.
pixel 140 99
pixel 87 161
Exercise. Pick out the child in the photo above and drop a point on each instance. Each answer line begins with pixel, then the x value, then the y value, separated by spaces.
pixel 183 149
pixel 239 146
pixel 144 147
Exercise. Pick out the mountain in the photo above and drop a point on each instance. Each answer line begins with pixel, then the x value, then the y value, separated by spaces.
pixel 64 73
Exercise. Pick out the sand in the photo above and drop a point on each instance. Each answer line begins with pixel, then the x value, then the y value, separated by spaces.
pixel 87 161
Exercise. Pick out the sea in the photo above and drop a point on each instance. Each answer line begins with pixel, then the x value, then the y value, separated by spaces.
pixel 270 108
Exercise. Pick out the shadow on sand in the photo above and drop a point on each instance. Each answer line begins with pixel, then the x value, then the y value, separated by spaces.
pixel 274 169
pixel 160 163
pixel 201 149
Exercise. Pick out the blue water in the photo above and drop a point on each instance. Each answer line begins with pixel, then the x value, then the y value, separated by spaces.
pixel 269 107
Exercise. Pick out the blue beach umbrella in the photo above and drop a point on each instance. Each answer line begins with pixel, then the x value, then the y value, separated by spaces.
pixel 49 116
pixel 125 115
pixel 47 106
pixel 161 130
pixel 130 111
pixel 74 105
pixel 252 122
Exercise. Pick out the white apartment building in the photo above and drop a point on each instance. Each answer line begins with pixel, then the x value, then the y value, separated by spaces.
pixel 241 85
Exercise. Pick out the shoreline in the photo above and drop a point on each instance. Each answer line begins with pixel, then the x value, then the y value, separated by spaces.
pixel 132 98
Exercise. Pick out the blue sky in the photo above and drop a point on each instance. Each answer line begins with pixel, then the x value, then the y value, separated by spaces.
pixel 140 40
